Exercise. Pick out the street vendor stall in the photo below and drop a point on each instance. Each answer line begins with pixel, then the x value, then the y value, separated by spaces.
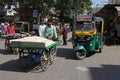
pixel 38 50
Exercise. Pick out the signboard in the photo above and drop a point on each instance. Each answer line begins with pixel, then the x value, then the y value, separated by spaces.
pixel 83 18
pixel 35 13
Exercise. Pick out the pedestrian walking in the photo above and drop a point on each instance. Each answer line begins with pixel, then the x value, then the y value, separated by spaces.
pixel 4 28
pixel 57 29
pixel 41 28
pixel 64 33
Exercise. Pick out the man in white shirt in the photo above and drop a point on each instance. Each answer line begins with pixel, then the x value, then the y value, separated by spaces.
pixel 4 27
pixel 41 28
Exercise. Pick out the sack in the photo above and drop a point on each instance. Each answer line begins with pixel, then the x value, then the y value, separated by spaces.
pixel 54 38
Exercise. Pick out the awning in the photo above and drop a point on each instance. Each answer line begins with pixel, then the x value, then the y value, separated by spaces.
pixel 118 8
pixel 108 10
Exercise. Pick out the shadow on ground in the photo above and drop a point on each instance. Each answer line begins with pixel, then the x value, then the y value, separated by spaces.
pixel 5 52
pixel 2 51
pixel 69 40
pixel 66 53
pixel 14 66
pixel 105 72
pixel 11 66
pixel 69 53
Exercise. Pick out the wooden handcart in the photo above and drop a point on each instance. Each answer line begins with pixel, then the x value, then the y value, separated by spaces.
pixel 35 52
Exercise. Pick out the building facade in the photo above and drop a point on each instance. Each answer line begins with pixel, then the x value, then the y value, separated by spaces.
pixel 114 1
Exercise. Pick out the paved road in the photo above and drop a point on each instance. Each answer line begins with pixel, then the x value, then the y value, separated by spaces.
pixel 99 66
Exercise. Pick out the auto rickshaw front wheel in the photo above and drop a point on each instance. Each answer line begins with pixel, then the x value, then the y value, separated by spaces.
pixel 81 54
pixel 100 50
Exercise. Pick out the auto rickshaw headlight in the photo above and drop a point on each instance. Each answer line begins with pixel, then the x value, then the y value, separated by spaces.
pixel 74 37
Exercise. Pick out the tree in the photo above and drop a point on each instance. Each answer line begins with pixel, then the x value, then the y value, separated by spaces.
pixel 71 7
pixel 8 2
pixel 42 5
pixel 65 8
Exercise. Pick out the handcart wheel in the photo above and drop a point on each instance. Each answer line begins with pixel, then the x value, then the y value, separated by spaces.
pixel 53 52
pixel 15 50
pixel 44 60
pixel 7 46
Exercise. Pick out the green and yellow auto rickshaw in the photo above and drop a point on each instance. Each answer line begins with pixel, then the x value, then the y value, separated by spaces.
pixel 87 35
pixel 21 26
pixel 99 24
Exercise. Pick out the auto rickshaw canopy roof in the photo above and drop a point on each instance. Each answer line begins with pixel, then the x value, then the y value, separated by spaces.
pixel 21 22
pixel 82 18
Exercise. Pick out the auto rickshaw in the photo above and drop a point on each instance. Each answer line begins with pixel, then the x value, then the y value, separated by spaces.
pixel 87 35
pixel 21 26
pixel 99 24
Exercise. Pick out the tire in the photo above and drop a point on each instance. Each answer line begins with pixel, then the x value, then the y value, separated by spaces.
pixel 15 51
pixel 53 52
pixel 43 61
pixel 7 45
pixel 100 50
pixel 80 54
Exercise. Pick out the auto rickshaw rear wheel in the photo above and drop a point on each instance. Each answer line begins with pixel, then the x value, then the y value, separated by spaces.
pixel 100 50
pixel 80 54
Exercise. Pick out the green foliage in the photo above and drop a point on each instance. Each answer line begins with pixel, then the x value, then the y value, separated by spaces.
pixel 71 7
pixel 66 8
pixel 4 2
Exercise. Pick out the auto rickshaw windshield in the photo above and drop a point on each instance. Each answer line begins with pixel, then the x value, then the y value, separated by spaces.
pixel 84 26
pixel 18 25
